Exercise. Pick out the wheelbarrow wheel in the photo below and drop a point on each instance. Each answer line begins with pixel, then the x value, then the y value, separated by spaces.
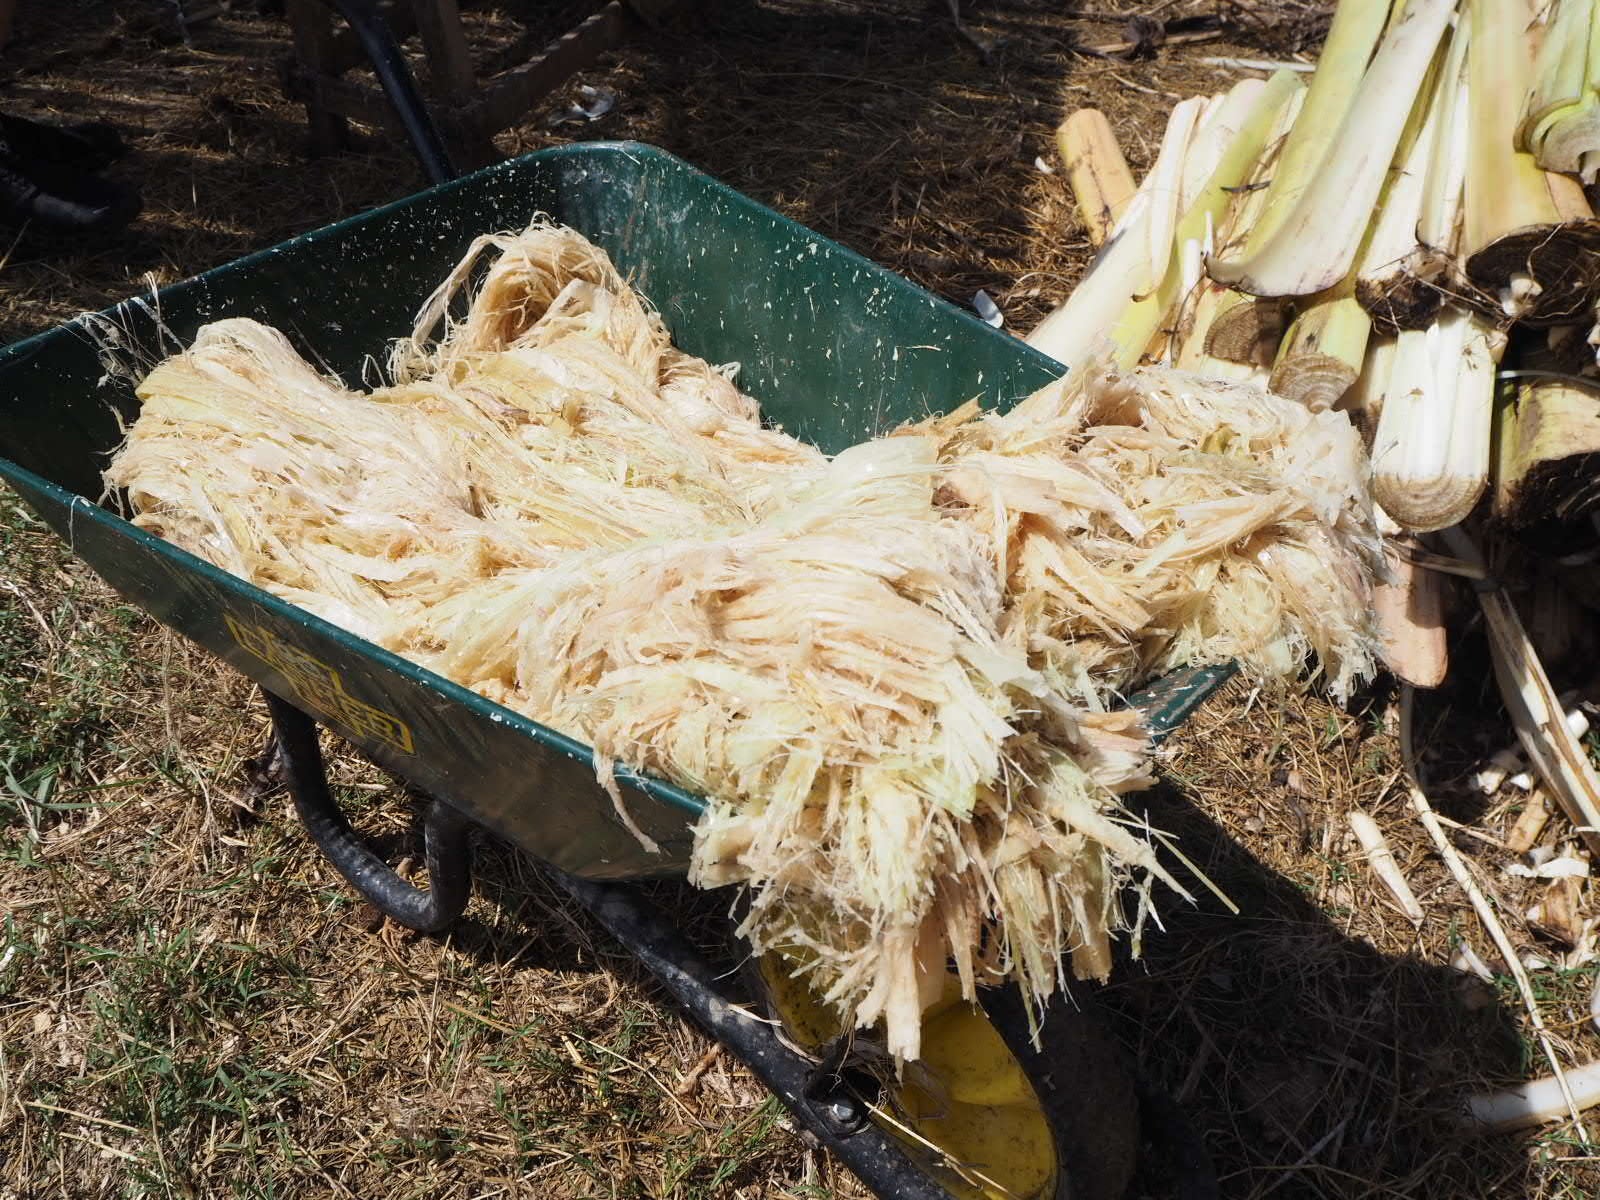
pixel 985 1113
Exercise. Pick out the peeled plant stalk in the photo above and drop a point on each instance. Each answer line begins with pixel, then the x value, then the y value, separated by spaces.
pixel 1165 187
pixel 1076 330
pixel 1381 859
pixel 1524 1105
pixel 1409 609
pixel 1099 176
pixel 1316 243
pixel 1188 271
pixel 1239 329
pixel 1138 323
pixel 1325 348
pixel 1364 401
pixel 1439 221
pixel 1193 354
pixel 1246 329
pixel 1357 27
pixel 1430 455
pixel 1216 127
pixel 1534 255
pixel 1549 453
pixel 1123 274
pixel 888 671
pixel 1184 174
pixel 1400 281
pixel 1560 123
pixel 1505 190
pixel 1530 823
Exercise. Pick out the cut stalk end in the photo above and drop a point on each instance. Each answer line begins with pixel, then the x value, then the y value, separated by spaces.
pixel 1549 461
pixel 1430 456
pixel 1099 176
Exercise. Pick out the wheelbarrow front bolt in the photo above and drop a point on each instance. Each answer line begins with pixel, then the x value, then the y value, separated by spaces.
pixel 845 1113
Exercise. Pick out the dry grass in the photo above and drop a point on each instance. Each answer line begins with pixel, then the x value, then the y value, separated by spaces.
pixel 194 1005
pixel 191 1004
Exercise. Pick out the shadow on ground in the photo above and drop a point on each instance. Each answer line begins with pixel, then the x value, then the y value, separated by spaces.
pixel 1314 1065
pixel 1310 1063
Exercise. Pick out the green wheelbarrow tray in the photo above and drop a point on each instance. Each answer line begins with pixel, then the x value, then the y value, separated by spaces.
pixel 835 348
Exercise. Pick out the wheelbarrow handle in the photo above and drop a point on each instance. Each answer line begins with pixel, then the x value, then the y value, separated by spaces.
pixel 701 990
pixel 399 86
pixel 444 832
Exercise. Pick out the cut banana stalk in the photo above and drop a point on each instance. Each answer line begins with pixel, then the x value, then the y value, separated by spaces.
pixel 1381 859
pixel 1166 188
pixel 1247 330
pixel 1138 323
pixel 1532 246
pixel 1219 123
pixel 1560 123
pixel 1439 224
pixel 1430 457
pixel 1549 461
pixel 1357 28
pixel 1195 340
pixel 1316 244
pixel 1364 402
pixel 1324 350
pixel 1398 279
pixel 1076 331
pixel 1409 608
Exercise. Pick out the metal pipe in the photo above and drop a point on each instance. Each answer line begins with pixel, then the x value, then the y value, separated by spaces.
pixel 445 832
pixel 400 87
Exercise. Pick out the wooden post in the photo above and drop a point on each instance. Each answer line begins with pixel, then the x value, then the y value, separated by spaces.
pixel 518 90
pixel 454 82
pixel 468 115
pixel 449 59
pixel 311 25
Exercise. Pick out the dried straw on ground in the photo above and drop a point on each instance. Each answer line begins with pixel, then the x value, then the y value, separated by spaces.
pixel 888 671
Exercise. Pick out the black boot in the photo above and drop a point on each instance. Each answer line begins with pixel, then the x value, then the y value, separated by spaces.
pixel 58 198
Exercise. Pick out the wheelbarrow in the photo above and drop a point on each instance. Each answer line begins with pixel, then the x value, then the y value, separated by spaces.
pixel 837 350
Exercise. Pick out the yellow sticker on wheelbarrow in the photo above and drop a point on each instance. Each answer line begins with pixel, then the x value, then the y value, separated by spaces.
pixel 319 686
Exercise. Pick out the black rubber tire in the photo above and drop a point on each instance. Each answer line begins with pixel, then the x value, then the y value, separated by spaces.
pixel 1084 1085
pixel 1103 1147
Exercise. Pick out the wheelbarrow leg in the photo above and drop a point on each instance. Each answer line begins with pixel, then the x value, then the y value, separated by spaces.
pixel 444 832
